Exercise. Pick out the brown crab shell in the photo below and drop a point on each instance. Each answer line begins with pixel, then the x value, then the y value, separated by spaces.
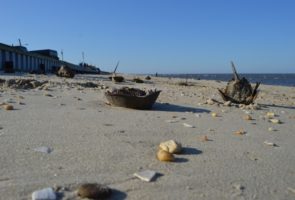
pixel 239 90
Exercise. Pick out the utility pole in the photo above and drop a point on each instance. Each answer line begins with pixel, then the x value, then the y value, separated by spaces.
pixel 83 59
pixel 62 55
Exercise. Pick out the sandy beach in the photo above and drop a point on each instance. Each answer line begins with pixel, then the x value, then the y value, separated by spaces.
pixel 87 140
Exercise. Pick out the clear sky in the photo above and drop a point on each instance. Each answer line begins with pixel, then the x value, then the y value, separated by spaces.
pixel 164 36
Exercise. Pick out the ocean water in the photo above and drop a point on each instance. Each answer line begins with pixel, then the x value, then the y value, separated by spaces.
pixel 267 79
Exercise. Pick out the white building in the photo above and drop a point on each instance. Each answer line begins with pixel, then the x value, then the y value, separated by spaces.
pixel 19 59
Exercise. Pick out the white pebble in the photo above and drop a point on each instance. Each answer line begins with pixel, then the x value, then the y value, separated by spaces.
pixel 44 194
pixel 43 149
pixel 188 125
pixel 146 175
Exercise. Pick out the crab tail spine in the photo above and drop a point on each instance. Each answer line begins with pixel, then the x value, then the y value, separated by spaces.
pixel 236 76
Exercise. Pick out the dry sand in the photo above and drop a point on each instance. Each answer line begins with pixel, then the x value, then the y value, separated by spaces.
pixel 91 141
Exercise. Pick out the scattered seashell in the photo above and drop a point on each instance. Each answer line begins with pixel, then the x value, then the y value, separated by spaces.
pixel 240 132
pixel 146 175
pixel 164 156
pixel 46 193
pixel 204 138
pixel 227 103
pixel 171 120
pixel 270 115
pixel 188 125
pixel 271 129
pixel 94 191
pixel 198 115
pixel 43 149
pixel 8 107
pixel 171 146
pixel 210 101
pixel 275 121
pixel 248 117
pixel 48 95
pixel 213 114
pixel 269 143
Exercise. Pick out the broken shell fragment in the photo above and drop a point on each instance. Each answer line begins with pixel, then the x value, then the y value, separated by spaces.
pixel 248 117
pixel 204 138
pixel 270 115
pixel 240 132
pixel 188 125
pixel 275 121
pixel 269 143
pixel 8 107
pixel 164 156
pixel 94 191
pixel 171 146
pixel 213 114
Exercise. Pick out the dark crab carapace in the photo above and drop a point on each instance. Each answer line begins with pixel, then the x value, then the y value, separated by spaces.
pixel 239 90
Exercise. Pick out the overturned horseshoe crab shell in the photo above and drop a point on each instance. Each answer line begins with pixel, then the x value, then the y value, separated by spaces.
pixel 239 90
pixel 132 98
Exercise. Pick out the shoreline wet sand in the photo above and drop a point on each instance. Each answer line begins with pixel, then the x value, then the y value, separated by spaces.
pixel 62 133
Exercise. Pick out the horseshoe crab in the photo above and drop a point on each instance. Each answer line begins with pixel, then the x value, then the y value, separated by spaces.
pixel 239 90
pixel 132 98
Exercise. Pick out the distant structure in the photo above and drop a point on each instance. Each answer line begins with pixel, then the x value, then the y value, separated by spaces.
pixel 19 59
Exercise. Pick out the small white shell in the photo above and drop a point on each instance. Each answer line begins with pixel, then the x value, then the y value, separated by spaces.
pixel 188 125
pixel 46 193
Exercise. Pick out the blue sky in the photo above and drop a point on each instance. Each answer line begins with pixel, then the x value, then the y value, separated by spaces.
pixel 164 36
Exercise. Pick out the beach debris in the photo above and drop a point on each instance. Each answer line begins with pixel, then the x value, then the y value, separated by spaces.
pixel 147 78
pixel 44 194
pixel 22 83
pixel 164 156
pixel 115 78
pixel 171 120
pixel 275 121
pixel 204 138
pixel 210 101
pixel 65 71
pixel 239 90
pixel 8 107
pixel 132 97
pixel 93 191
pixel 240 132
pixel 271 129
pixel 227 103
pixel 248 117
pixel 214 114
pixel 146 175
pixel 88 85
pixel 291 190
pixel 138 80
pixel 188 125
pixel 198 115
pixel 43 149
pixel 270 115
pixel 270 143
pixel 238 186
pixel 171 146
pixel 48 95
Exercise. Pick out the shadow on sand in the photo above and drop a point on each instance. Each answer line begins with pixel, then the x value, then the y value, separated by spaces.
pixel 190 151
pixel 177 108
pixel 276 106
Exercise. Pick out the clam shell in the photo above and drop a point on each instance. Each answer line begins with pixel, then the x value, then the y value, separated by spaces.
pixel 275 121
pixel 171 146
pixel 248 117
pixel 270 115
pixel 213 114
pixel 94 191
pixel 164 156
pixel 8 107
